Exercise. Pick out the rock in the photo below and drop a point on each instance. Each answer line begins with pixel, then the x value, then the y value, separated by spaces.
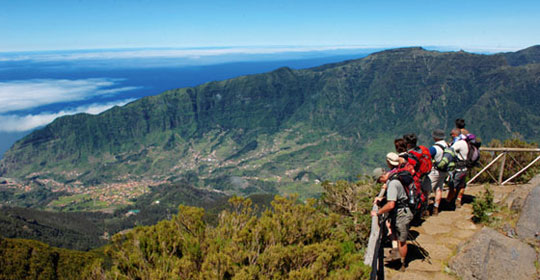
pixel 509 230
pixel 491 255
pixel 528 225
pixel 516 204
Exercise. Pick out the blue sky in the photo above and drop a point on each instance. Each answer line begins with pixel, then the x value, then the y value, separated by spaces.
pixel 31 25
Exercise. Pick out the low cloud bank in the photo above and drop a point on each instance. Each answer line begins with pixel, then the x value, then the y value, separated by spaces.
pixel 28 94
pixel 188 53
pixel 19 123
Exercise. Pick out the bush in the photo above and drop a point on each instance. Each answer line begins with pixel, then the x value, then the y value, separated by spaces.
pixel 483 207
pixel 29 259
pixel 353 200
pixel 290 241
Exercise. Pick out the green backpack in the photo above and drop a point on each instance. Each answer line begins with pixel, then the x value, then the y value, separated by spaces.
pixel 448 160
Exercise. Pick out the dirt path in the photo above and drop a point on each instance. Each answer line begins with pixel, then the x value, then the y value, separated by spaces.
pixel 440 236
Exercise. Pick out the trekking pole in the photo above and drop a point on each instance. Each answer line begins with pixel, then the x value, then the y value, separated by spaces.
pixel 421 249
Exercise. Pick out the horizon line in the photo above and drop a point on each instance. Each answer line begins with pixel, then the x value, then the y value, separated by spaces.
pixel 285 48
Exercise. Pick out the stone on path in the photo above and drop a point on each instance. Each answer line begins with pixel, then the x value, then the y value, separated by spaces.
pixel 528 226
pixel 491 255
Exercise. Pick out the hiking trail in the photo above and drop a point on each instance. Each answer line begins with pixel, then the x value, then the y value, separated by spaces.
pixel 440 236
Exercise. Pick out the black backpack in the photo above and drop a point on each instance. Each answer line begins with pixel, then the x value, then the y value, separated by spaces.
pixel 473 156
pixel 414 196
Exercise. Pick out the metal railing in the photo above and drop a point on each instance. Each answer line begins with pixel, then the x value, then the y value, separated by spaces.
pixel 504 152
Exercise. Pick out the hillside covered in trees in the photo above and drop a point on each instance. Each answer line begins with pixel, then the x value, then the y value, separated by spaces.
pixel 291 239
pixel 283 131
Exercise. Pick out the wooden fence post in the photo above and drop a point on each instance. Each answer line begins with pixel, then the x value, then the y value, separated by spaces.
pixel 501 172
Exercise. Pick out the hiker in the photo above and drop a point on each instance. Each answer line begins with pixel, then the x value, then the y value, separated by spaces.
pixel 420 158
pixel 401 150
pixel 437 174
pixel 396 206
pixel 460 124
pixel 458 181
pixel 401 146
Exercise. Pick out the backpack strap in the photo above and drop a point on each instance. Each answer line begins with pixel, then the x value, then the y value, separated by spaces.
pixel 440 146
pixel 403 202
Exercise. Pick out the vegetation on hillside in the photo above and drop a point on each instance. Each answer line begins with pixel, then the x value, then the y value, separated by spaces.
pixel 27 259
pixel 313 239
pixel 291 240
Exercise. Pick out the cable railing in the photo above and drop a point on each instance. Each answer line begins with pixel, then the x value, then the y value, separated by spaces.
pixel 502 157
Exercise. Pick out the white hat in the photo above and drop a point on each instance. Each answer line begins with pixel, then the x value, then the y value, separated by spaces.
pixel 393 159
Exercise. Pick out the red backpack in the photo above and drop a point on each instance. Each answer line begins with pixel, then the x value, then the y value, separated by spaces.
pixel 420 158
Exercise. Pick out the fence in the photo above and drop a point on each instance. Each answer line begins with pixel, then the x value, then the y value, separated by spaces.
pixel 504 153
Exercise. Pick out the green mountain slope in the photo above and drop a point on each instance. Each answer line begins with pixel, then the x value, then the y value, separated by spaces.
pixel 285 130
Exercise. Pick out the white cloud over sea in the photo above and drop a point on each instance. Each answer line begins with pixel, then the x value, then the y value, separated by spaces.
pixel 187 53
pixel 20 95
pixel 19 123
pixel 194 54
pixel 27 94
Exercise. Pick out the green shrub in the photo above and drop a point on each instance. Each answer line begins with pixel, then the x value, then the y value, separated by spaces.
pixel 292 240
pixel 483 207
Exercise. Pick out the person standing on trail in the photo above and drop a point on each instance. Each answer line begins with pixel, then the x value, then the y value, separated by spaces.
pixel 396 206
pixel 437 176
pixel 458 181
pixel 419 157
pixel 460 124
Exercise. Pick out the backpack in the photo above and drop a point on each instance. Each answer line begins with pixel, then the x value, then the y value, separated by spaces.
pixel 420 158
pixel 474 150
pixel 414 195
pixel 448 160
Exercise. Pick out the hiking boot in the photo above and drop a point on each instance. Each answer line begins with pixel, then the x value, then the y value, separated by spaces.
pixel 458 203
pixel 435 211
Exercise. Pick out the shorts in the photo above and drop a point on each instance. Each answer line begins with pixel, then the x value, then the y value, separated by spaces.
pixel 437 179
pixel 403 219
pixel 458 180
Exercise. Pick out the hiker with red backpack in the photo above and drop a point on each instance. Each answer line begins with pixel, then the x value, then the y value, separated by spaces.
pixel 420 158
pixel 397 181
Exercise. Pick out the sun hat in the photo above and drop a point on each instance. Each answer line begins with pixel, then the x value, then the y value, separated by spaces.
pixel 393 159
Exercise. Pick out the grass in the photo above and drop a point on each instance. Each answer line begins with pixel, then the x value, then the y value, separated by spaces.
pixel 70 199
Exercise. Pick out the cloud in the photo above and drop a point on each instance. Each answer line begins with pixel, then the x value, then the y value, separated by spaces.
pixel 187 53
pixel 27 94
pixel 16 123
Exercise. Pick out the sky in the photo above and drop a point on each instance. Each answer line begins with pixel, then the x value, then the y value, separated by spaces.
pixel 34 25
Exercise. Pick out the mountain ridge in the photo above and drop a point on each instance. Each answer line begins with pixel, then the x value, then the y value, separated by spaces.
pixel 258 133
